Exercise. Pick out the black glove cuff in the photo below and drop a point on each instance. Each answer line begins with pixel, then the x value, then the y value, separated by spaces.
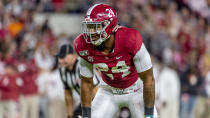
pixel 148 111
pixel 86 112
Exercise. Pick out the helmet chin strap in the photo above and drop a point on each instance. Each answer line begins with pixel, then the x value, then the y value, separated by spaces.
pixel 97 42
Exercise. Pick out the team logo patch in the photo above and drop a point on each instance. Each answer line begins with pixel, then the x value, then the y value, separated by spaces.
pixel 90 59
pixel 83 53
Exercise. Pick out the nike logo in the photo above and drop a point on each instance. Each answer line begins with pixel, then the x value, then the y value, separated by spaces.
pixel 118 57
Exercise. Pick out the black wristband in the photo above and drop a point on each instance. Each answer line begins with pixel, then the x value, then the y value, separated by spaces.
pixel 148 111
pixel 86 112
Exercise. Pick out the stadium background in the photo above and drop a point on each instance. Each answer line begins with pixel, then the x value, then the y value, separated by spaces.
pixel 176 33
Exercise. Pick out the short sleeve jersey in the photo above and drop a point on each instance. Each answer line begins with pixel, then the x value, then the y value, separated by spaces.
pixel 117 68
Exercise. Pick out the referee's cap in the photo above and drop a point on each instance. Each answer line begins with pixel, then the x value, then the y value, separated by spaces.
pixel 64 50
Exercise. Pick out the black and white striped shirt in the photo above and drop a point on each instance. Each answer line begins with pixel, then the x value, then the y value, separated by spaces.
pixel 71 79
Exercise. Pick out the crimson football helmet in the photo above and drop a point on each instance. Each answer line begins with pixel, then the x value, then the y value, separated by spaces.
pixel 99 22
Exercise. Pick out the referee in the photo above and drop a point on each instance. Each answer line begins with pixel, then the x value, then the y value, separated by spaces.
pixel 69 72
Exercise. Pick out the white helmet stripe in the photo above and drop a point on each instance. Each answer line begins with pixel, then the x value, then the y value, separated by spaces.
pixel 91 9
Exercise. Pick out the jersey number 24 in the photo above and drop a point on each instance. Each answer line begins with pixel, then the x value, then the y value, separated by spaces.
pixel 120 67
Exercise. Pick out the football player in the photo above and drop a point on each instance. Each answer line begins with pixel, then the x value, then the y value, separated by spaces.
pixel 121 57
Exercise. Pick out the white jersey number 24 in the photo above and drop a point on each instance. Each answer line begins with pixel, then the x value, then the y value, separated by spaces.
pixel 120 67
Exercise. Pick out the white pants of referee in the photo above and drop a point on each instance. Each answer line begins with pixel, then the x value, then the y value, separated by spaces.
pixel 106 104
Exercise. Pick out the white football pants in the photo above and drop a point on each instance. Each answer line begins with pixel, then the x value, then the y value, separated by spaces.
pixel 106 104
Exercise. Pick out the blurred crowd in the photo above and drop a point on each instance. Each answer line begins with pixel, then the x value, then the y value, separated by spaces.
pixel 176 33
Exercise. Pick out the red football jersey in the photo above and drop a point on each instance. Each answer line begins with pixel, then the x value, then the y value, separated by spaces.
pixel 117 68
pixel 9 88
pixel 29 73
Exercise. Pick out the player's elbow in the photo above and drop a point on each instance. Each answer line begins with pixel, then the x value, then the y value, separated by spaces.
pixel 147 77
pixel 149 81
